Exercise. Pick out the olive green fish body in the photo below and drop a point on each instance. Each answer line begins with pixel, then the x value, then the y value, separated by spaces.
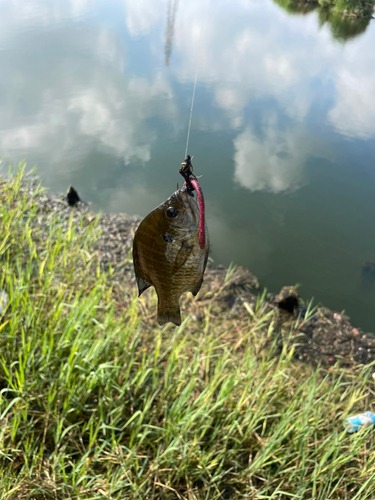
pixel 167 255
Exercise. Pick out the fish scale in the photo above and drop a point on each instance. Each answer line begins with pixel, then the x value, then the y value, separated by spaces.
pixel 167 253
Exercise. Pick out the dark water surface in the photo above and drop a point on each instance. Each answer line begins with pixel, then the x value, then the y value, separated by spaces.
pixel 98 95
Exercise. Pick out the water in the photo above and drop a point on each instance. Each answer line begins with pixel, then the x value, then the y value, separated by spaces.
pixel 98 95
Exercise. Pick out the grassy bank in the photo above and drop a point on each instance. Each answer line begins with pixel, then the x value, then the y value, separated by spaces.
pixel 98 402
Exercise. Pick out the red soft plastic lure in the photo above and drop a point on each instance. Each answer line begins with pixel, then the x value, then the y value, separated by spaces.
pixel 202 234
pixel 187 173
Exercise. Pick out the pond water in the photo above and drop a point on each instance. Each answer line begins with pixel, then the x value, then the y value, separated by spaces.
pixel 97 94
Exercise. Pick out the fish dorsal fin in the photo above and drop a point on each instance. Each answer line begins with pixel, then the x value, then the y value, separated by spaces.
pixel 182 256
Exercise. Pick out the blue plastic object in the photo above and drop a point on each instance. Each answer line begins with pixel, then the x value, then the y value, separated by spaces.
pixel 354 423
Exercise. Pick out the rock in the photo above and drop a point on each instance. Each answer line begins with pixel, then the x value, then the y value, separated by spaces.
pixel 288 299
pixel 72 197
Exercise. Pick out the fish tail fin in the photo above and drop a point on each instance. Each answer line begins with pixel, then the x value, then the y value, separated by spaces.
pixel 168 313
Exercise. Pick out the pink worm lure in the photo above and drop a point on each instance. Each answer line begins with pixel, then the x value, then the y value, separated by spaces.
pixel 202 222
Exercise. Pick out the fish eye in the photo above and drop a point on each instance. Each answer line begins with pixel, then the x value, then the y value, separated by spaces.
pixel 172 212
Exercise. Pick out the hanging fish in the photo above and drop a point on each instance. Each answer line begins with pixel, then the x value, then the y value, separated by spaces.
pixel 170 252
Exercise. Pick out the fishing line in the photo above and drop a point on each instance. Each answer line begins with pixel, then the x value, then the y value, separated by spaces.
pixel 191 110
pixel 195 86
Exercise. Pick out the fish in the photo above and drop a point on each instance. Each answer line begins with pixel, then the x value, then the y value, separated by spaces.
pixel 170 253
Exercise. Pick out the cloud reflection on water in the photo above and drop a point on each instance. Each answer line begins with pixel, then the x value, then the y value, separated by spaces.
pixel 272 163
pixel 261 54
pixel 142 15
pixel 240 65
pixel 354 111
pixel 85 93
pixel 74 92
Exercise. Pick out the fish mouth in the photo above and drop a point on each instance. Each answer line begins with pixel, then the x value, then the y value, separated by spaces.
pixel 187 199
pixel 187 205
pixel 186 189
pixel 183 197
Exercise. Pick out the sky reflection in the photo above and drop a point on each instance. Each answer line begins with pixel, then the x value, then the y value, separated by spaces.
pixel 98 95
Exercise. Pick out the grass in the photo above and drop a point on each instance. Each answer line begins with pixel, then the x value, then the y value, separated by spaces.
pixel 98 403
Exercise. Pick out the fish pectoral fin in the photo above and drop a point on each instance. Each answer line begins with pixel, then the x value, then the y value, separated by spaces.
pixel 142 285
pixel 197 287
pixel 168 313
pixel 182 256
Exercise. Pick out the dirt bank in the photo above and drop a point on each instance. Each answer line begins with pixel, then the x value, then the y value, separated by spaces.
pixel 229 296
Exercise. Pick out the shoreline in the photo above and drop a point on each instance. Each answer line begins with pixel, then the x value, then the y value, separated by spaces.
pixel 91 387
pixel 231 295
